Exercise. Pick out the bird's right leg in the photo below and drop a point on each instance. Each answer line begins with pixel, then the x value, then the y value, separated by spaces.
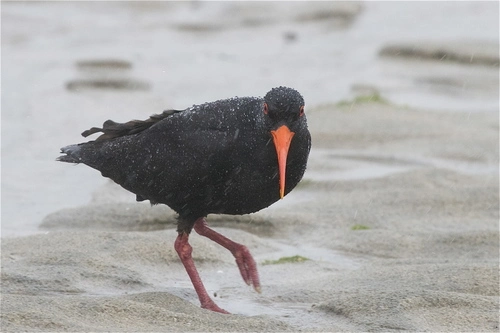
pixel 184 250
pixel 244 260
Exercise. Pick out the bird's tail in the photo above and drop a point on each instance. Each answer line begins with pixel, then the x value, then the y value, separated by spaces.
pixel 72 154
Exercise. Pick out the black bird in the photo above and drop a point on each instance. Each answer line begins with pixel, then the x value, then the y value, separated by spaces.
pixel 233 156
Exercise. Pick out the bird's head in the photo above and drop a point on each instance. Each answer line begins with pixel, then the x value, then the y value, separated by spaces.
pixel 284 110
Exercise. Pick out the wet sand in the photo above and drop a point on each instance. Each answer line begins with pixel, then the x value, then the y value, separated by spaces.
pixel 397 213
pixel 426 258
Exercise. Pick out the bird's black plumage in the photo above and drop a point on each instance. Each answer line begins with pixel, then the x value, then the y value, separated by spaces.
pixel 216 157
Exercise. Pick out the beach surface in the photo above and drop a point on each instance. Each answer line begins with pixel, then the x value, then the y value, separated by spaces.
pixel 397 217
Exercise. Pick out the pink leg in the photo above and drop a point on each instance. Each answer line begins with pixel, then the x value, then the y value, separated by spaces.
pixel 244 259
pixel 184 251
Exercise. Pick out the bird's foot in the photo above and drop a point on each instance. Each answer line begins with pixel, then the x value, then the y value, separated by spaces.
pixel 246 265
pixel 213 307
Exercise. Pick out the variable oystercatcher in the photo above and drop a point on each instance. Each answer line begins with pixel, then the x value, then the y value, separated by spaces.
pixel 233 156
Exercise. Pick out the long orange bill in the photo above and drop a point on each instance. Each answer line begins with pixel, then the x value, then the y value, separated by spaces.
pixel 282 138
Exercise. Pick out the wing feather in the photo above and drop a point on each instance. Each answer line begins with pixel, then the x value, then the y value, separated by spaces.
pixel 112 129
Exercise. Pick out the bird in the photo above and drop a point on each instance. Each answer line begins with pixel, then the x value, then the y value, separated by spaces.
pixel 232 156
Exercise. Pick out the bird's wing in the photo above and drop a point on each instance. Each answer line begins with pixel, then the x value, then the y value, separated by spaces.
pixel 113 129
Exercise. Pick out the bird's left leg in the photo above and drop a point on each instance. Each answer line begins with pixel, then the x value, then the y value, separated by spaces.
pixel 244 259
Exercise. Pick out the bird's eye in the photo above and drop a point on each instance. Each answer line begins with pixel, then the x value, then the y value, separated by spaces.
pixel 266 108
pixel 301 112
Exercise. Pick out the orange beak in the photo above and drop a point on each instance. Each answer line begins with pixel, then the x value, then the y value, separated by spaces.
pixel 282 138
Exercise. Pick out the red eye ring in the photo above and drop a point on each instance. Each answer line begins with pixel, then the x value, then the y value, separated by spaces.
pixel 266 108
pixel 301 112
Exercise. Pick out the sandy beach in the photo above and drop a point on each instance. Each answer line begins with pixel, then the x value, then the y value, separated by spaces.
pixel 397 214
